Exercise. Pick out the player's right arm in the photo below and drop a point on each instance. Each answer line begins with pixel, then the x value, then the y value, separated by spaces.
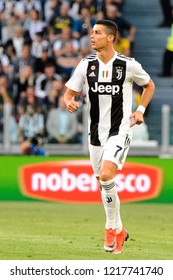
pixel 74 86
pixel 69 98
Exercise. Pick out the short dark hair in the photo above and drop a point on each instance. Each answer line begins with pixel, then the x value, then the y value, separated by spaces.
pixel 110 25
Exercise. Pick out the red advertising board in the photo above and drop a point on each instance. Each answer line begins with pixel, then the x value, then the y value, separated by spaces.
pixel 74 181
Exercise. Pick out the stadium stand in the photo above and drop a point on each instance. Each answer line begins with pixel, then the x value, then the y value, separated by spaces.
pixel 148 50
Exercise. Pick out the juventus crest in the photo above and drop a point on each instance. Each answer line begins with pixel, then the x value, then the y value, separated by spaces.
pixel 119 73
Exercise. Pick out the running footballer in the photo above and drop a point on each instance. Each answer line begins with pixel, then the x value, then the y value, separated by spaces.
pixel 108 77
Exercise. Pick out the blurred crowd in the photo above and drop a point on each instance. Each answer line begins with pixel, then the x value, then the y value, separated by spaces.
pixel 41 42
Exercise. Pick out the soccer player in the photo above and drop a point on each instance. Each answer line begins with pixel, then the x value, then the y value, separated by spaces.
pixel 108 77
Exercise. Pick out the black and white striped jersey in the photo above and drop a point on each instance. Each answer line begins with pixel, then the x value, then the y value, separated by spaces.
pixel 108 90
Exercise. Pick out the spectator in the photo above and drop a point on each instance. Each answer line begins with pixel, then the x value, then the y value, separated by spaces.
pixel 100 15
pixel 4 62
pixel 31 132
pixel 43 2
pixel 23 7
pixel 122 45
pixel 67 61
pixel 82 29
pixel 5 91
pixel 59 44
pixel 168 57
pixel 17 39
pixel 127 29
pixel 52 8
pixel 61 126
pixel 11 54
pixel 40 62
pixel 44 81
pixel 25 58
pixel 6 9
pixel 33 23
pixel 59 22
pixel 91 5
pixel 29 98
pixel 120 5
pixel 52 99
pixel 20 84
pixel 167 13
pixel 75 6
pixel 38 44
pixel 83 26
pixel 8 27
pixel 101 5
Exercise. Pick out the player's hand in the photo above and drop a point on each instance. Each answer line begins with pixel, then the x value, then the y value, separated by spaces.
pixel 136 118
pixel 72 106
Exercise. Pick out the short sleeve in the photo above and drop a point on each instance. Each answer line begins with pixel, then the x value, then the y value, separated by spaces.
pixel 77 80
pixel 139 75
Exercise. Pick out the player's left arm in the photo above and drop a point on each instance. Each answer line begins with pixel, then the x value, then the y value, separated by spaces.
pixel 147 94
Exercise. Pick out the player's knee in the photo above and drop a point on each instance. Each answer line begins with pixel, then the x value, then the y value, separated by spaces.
pixel 106 176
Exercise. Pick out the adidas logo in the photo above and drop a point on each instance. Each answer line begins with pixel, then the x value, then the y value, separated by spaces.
pixel 92 74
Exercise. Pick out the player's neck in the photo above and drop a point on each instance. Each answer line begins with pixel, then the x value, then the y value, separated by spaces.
pixel 105 56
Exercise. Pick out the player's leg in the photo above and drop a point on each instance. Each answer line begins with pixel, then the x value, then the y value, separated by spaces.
pixel 109 199
pixel 96 154
pixel 115 152
pixel 108 191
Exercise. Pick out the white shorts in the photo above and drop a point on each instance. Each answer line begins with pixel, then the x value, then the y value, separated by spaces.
pixel 114 150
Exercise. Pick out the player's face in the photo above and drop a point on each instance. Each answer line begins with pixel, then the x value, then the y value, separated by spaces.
pixel 99 38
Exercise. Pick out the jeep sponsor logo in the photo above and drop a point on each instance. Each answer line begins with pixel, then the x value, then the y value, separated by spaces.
pixel 104 88
pixel 74 181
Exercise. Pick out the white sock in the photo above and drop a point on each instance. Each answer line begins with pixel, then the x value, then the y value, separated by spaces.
pixel 118 222
pixel 111 205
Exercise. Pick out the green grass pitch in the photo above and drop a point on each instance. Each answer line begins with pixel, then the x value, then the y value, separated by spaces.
pixel 60 231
